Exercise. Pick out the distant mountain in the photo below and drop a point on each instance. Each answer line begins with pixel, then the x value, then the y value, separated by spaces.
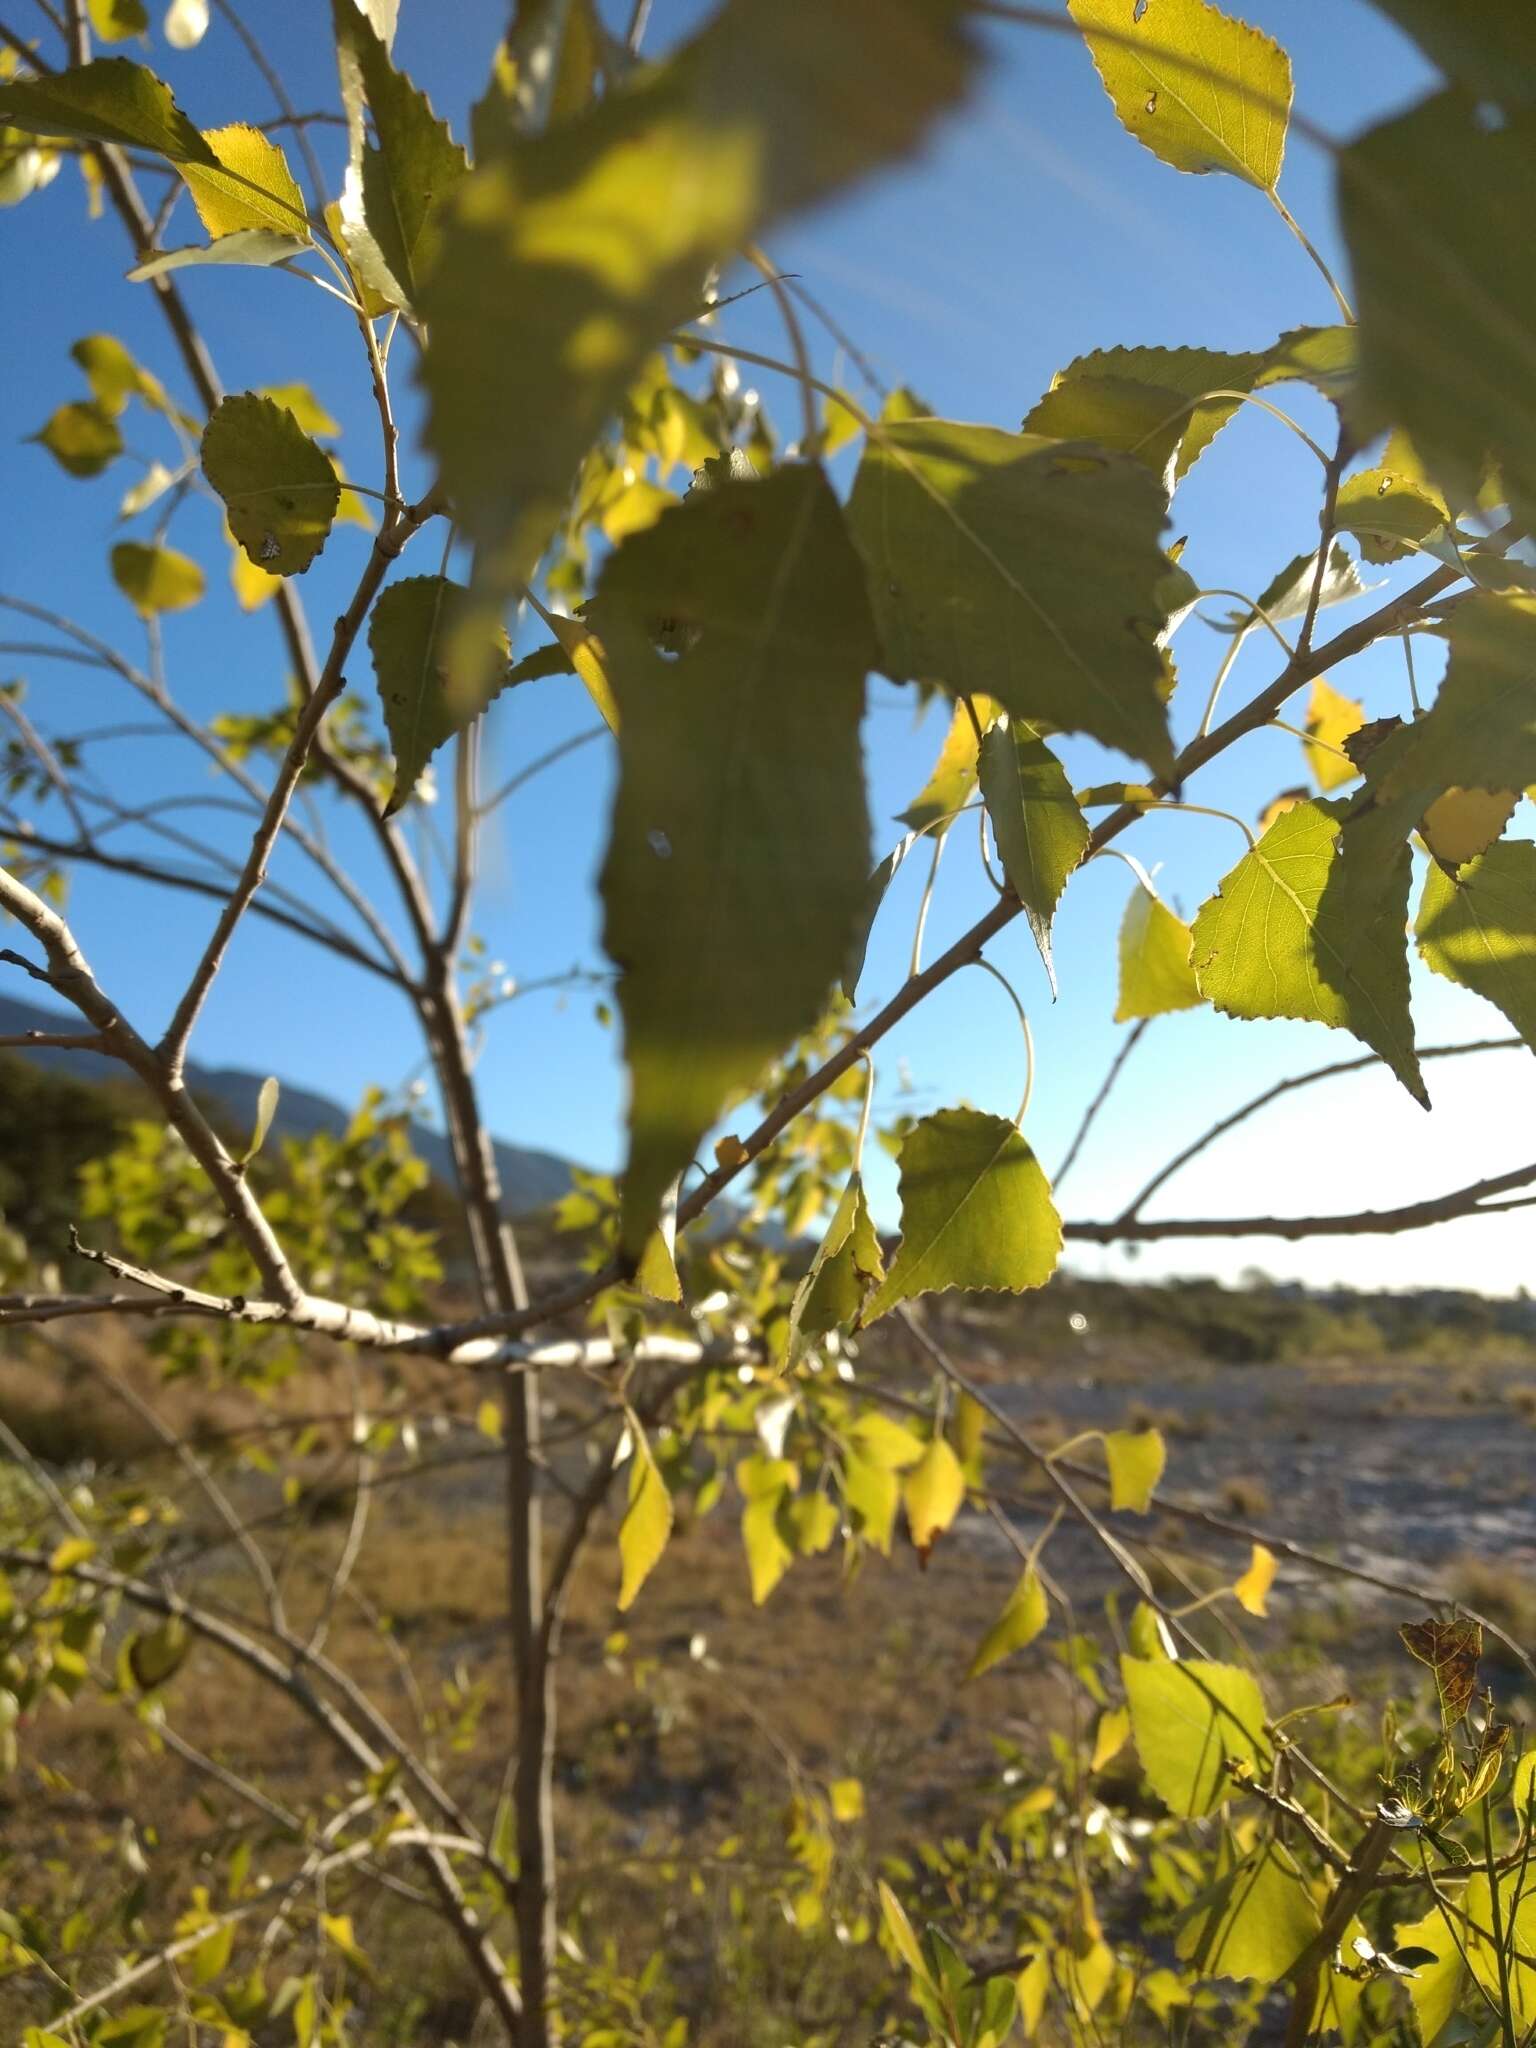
pixel 530 1180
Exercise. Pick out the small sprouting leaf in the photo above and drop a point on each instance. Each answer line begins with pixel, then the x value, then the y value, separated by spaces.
pixel 1483 1771
pixel 738 860
pixel 1024 1616
pixel 279 487
pixel 110 100
pixel 158 1653
pixel 1252 1589
pixel 115 20
pixel 1136 1458
pixel 1202 91
pixel 1041 833
pixel 155 580
pixel 1156 977
pixel 647 1520
pixel 259 247
pixel 1331 718
pixel 933 1493
pixel 1451 1649
pixel 82 438
pixel 401 175
pixel 1295 930
pixel 1190 1718
pixel 1478 928
pixel 976 1211
pixel 1054 581
pixel 1253 1923
pixel 251 188
pixel 150 488
pixel 266 1108
pixel 407 637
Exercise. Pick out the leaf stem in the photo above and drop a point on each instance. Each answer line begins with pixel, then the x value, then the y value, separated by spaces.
pixel 1029 1037
pixel 1346 311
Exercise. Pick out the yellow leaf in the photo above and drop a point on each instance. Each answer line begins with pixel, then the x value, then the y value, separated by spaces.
pixel 1464 823
pixel 488 1420
pixel 1155 972
pixel 1110 1737
pixel 584 651
pixel 899 1932
pixel 847 1798
pixel 1020 1622
pixel 1136 1459
pixel 72 1551
pixel 1252 1589
pixel 254 187
pixel 768 1555
pixel 1331 718
pixel 932 1494
pixel 647 1521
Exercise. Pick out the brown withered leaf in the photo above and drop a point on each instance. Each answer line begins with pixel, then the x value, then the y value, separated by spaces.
pixel 1365 739
pixel 1451 1650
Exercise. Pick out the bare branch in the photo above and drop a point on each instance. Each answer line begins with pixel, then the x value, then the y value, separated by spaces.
pixel 1126 1047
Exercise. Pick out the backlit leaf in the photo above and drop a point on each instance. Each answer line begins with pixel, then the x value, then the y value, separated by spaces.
pixel 1173 383
pixel 1451 1649
pixel 1202 91
pixel 114 376
pixel 115 20
pixel 109 100
pixel 1189 1717
pixel 953 779
pixel 82 438
pixel 399 177
pixel 279 488
pixel 1479 929
pixel 254 187
pixel 1022 1619
pixel 737 865
pixel 1463 823
pixel 1392 507
pixel 259 247
pixel 1252 1589
pixel 871 1494
pixel 1155 974
pixel 1297 931
pixel 1480 732
pixel 1254 1922
pixel 155 580
pixel 1040 831
pixel 1331 718
pixel 568 256
pixel 1490 49
pixel 407 635
pixel 933 1493
pixel 769 1556
pixel 846 1798
pixel 1110 1737
pixel 305 407
pixel 1431 204
pixel 976 1211
pixel 1435 1990
pixel 846 1268
pixel 1289 592
pixel 1136 1458
pixel 647 1522
pixel 1051 597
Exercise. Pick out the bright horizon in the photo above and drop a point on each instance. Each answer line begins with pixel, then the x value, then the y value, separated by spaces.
pixel 1089 242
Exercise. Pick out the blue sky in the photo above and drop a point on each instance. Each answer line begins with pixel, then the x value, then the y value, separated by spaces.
pixel 1033 229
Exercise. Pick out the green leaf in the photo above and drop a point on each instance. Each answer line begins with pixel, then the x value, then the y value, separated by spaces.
pixel 874 896
pixel 871 1493
pixel 1021 1620
pixel 1117 396
pixel 647 1522
pixel 1136 1458
pixel 154 579
pixel 1480 732
pixel 259 247
pixel 976 1211
pixel 1435 1990
pixel 1023 569
pixel 1040 831
pixel 933 1493
pixel 569 256
pixel 949 786
pixel 252 188
pixel 1155 972
pixel 115 20
pixel 110 100
pixel 1203 92
pixel 1392 507
pixel 898 1929
pixel 1254 1923
pixel 399 181
pixel 1189 1718
pixel 846 1267
pixel 157 1654
pixel 1478 928
pixel 279 487
pixel 81 438
pixel 114 376
pixel 1431 203
pixel 1296 931
pixel 266 1108
pixel 1287 595
pixel 769 1556
pixel 408 635
pixel 737 863
pixel 1490 49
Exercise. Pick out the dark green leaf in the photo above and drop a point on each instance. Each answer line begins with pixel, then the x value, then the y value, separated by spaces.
pixel 1030 571
pixel 279 487
pixel 1172 405
pixel 1041 833
pixel 738 862
pixel 1480 732
pixel 1479 929
pixel 1489 48
pixel 408 635
pixel 110 100
pixel 874 896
